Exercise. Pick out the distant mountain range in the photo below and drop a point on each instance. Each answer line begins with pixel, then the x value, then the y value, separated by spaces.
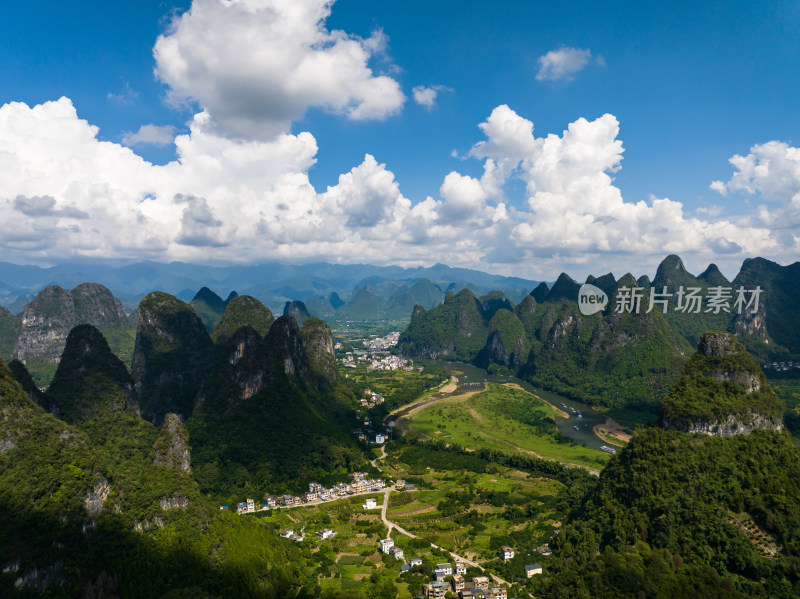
pixel 613 357
pixel 273 284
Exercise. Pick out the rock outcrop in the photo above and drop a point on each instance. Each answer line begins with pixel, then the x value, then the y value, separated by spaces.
pixel 722 392
pixel 48 319
pixel 171 449
pixel 317 341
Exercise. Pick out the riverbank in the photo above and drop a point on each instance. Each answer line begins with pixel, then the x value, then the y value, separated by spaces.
pixel 558 410
pixel 612 432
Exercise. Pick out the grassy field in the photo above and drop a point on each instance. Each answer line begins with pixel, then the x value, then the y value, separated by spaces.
pixel 502 418
pixel 474 513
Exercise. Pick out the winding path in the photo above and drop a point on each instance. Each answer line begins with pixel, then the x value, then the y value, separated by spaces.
pixel 393 526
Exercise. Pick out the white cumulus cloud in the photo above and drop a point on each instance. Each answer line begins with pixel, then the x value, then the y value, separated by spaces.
pixel 564 63
pixel 257 65
pixel 426 96
pixel 66 194
pixel 770 172
pixel 153 135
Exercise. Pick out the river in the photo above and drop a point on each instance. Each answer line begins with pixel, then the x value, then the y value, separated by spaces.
pixel 577 428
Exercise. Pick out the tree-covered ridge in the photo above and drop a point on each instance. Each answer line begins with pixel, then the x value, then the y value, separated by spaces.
pixel 731 504
pixel 621 356
pixel 90 380
pixel 85 512
pixel 241 311
pixel 172 357
pixel 722 381
pixel 10 327
pixel 37 335
pixel 457 328
pixel 210 307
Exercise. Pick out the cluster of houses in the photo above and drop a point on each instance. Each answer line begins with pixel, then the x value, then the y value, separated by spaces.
pixel 781 366
pixel 325 533
pixel 383 343
pixel 390 363
pixel 359 483
pixel 480 587
pixel 371 399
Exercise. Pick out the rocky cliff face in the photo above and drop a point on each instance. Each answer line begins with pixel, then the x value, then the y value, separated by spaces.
pixel 91 381
pixel 172 358
pixel 249 364
pixel 171 449
pixel 722 392
pixel 506 344
pixel 48 319
pixel 727 427
pixel 317 341
pixel 284 350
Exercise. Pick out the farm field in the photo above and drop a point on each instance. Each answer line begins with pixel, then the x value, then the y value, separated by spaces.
pixel 504 419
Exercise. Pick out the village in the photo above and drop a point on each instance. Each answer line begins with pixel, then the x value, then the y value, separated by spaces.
pixel 781 366
pixel 446 577
pixel 375 355
pixel 317 494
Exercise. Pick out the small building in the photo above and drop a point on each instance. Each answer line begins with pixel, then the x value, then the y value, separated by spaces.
pixel 315 488
pixel 461 567
pixel 434 590
pixel 223 507
pixel 481 582
pixel 308 497
pixel 251 505
pixel 448 569
pixel 439 575
pixel 326 533
pixel 415 562
pixel 380 438
pixel 405 568
pixel 271 501
pixel 287 533
pixel 458 583
pixel 499 592
pixel 506 553
pixel 386 544
pixel 397 553
pixel 544 549
pixel 533 569
pixel 359 486
pixel 241 507
pixel 399 484
pixel 370 504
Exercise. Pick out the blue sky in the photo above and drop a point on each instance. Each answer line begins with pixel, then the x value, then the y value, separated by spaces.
pixel 686 87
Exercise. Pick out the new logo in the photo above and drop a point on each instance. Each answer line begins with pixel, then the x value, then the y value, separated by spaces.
pixel 591 299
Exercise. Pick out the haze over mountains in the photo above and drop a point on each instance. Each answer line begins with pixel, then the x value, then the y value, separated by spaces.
pixel 273 284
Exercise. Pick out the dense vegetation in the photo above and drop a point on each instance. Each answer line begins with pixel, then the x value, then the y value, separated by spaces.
pixel 610 359
pixel 727 504
pixel 81 515
pixel 714 387
pixel 241 311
